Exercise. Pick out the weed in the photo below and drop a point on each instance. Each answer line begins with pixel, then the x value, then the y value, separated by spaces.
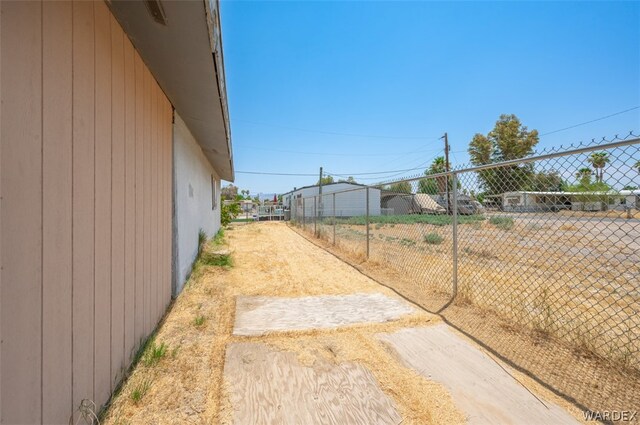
pixel 407 242
pixel 155 353
pixel 202 239
pixel 483 253
pixel 543 321
pixel 218 260
pixel 504 223
pixel 218 239
pixel 140 390
pixel 199 320
pixel 433 239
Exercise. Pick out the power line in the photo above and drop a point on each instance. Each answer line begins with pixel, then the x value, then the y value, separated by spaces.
pixel 339 154
pixel 267 173
pixel 581 124
pixel 274 174
pixel 589 122
pixel 335 133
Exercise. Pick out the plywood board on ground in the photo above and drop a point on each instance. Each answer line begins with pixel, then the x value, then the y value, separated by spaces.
pixel 481 388
pixel 259 315
pixel 272 387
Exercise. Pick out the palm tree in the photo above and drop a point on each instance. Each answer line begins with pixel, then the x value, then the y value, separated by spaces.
pixel 584 176
pixel 438 166
pixel 637 166
pixel 599 160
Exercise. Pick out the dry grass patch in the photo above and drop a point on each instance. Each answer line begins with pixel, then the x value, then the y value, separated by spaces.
pixel 269 260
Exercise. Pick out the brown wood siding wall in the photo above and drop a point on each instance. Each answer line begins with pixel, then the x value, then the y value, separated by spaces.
pixel 85 207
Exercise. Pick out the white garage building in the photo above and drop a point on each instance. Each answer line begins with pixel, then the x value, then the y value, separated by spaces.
pixel 349 198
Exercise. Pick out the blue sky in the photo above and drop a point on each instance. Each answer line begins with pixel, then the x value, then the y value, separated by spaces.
pixel 361 87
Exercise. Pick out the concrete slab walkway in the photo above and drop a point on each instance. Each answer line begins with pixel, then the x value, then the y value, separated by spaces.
pixel 480 387
pixel 259 315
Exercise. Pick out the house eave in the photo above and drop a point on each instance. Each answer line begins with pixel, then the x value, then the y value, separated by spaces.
pixel 185 57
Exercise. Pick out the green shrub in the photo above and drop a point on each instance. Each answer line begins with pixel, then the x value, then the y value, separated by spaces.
pixel 504 223
pixel 433 239
pixel 392 220
pixel 228 212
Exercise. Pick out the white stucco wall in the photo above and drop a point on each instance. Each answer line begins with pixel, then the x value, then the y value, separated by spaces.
pixel 193 209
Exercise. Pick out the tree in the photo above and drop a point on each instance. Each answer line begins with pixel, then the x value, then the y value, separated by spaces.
pixel 549 181
pixel 508 140
pixel 439 184
pixel 428 186
pixel 637 166
pixel 584 176
pixel 229 192
pixel 598 161
pixel 325 180
pixel 349 179
pixel 584 183
pixel 401 187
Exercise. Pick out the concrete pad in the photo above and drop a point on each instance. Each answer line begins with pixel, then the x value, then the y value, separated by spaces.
pixel 272 387
pixel 259 315
pixel 479 387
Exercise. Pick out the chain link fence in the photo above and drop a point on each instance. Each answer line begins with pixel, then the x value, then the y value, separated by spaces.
pixel 550 243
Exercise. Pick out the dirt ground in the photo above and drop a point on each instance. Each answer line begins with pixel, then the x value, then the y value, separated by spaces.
pixel 569 371
pixel 185 385
pixel 575 278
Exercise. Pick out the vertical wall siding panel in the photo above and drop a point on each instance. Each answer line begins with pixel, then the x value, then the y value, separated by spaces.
pixel 169 202
pixel 139 286
pixel 57 211
pixel 130 200
pixel 117 202
pixel 163 199
pixel 87 188
pixel 83 200
pixel 159 230
pixel 147 202
pixel 154 210
pixel 0 215
pixel 22 212
pixel 157 146
pixel 102 300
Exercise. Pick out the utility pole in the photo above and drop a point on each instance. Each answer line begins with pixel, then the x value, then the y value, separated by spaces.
pixel 446 168
pixel 320 189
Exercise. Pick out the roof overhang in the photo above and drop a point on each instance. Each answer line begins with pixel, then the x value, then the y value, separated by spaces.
pixel 185 57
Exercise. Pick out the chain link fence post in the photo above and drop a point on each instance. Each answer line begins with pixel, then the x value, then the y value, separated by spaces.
pixel 454 181
pixel 367 220
pixel 315 216
pixel 334 218
pixel 304 212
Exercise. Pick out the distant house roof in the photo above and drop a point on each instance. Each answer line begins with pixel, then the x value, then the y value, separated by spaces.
pixel 324 185
pixel 181 43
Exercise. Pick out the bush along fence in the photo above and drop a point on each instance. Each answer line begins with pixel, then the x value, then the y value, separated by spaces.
pixel 550 242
